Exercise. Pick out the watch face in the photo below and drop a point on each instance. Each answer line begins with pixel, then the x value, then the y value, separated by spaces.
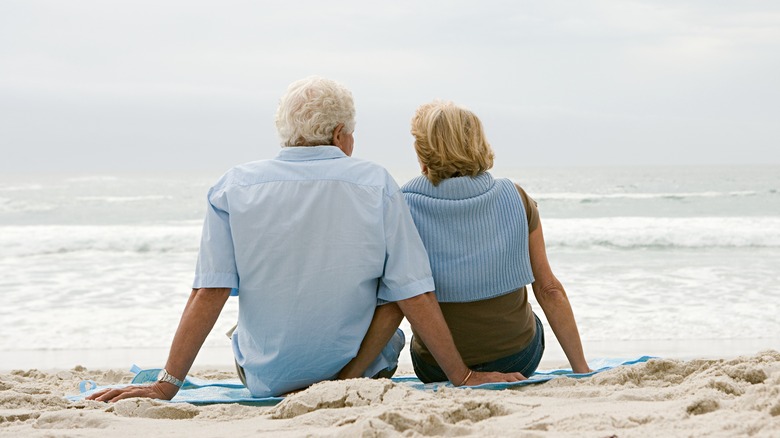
pixel 161 375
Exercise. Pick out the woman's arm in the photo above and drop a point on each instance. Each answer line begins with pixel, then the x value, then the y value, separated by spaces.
pixel 555 304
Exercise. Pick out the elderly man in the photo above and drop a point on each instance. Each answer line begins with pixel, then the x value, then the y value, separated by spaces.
pixel 310 241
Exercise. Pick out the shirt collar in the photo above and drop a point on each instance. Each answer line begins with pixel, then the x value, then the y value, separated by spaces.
pixel 309 153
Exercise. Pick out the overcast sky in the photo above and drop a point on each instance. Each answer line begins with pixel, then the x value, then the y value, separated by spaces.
pixel 103 86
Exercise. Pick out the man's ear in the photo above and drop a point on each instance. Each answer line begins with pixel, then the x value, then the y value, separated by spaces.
pixel 336 140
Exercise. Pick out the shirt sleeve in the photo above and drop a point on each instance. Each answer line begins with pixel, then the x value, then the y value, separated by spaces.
pixel 216 265
pixel 407 270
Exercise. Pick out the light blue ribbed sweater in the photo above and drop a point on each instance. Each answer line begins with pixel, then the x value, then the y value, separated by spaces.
pixel 476 234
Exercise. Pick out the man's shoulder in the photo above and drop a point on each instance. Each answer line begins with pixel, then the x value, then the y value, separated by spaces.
pixel 363 164
pixel 240 173
pixel 364 172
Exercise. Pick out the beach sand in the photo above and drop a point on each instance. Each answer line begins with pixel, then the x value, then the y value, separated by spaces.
pixel 701 397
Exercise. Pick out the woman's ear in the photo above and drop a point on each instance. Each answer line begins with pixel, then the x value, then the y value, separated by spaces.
pixel 423 167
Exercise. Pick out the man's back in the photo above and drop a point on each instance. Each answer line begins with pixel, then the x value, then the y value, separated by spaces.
pixel 311 232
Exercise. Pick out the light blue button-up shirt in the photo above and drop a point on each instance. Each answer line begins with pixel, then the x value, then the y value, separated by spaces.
pixel 311 241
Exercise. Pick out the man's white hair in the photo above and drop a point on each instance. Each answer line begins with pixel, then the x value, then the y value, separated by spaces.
pixel 310 111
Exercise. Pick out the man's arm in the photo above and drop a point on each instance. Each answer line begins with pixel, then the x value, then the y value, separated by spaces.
pixel 552 298
pixel 199 316
pixel 424 314
pixel 385 322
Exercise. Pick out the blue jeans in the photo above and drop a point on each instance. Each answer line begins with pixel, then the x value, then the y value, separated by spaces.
pixel 524 362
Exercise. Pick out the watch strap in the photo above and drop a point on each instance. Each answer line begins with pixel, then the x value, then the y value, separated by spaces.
pixel 164 376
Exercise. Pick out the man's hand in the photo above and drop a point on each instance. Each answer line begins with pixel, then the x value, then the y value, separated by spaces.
pixel 479 377
pixel 158 390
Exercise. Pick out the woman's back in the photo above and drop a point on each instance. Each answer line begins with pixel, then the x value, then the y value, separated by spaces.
pixel 477 240
pixel 475 235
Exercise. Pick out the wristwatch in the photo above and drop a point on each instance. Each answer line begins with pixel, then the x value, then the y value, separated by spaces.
pixel 165 377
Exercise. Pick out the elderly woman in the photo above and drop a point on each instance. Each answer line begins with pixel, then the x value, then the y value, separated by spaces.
pixel 485 244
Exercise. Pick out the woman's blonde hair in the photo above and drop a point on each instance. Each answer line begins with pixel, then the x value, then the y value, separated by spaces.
pixel 450 141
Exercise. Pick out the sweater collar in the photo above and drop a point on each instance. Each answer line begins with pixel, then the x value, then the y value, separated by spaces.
pixel 461 187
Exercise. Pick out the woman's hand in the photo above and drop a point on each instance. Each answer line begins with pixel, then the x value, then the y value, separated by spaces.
pixel 480 377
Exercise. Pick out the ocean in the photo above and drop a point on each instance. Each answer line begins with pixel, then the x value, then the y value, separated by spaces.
pixel 669 261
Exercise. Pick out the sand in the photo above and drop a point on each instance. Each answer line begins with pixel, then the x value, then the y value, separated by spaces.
pixel 723 397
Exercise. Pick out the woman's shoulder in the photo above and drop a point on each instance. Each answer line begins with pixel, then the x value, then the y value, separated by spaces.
pixel 417 184
pixel 531 207
pixel 514 186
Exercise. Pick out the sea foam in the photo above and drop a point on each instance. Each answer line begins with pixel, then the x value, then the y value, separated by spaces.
pixel 663 232
pixel 23 241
